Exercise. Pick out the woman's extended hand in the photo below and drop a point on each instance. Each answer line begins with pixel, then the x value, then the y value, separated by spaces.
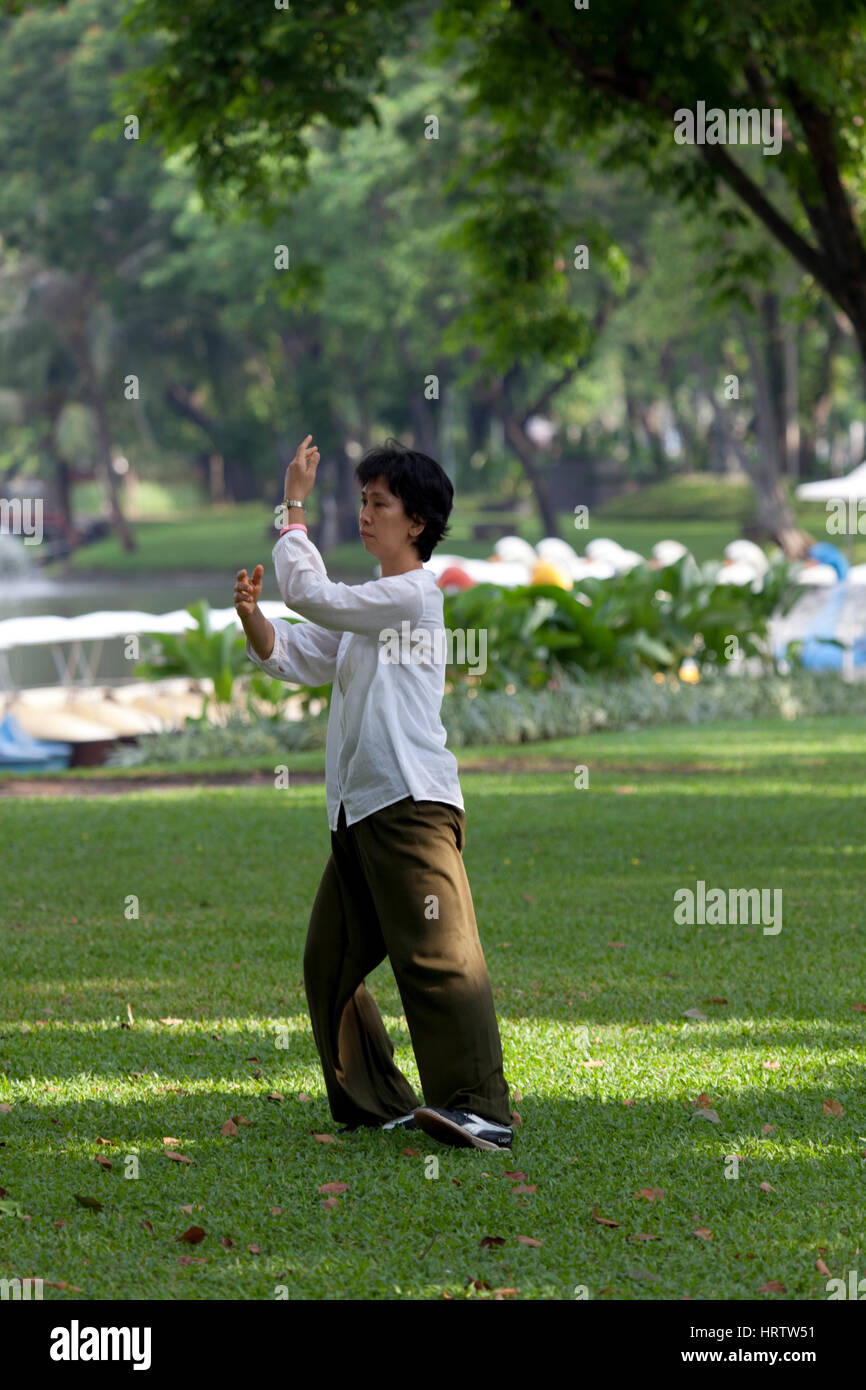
pixel 301 472
pixel 248 591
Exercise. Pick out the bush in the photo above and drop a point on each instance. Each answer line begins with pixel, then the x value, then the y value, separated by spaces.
pixel 475 716
pixel 644 620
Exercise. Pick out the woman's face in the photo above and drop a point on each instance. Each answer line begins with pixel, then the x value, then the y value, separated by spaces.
pixel 384 524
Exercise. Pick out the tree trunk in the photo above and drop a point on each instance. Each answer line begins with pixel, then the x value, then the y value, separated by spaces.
pixel 477 424
pixel 525 451
pixel 823 403
pixel 791 398
pixel 63 475
pixel 96 401
pixel 775 515
pixel 238 479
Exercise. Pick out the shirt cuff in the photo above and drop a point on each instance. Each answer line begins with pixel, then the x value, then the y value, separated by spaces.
pixel 268 665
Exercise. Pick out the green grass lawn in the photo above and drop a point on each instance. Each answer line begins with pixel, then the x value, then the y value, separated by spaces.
pixel 206 539
pixel 610 1071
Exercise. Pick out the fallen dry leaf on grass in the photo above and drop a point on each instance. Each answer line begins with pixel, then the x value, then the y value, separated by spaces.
pixel 529 1240
pixel 522 1187
pixel 630 1101
pixel 861 1008
pixel 695 1013
pixel 333 1187
pixel 602 1220
pixel 773 1286
pixel 194 1235
pixel 171 1020
pixel 641 1236
pixel 107 1141
pixel 178 1158
pixel 500 1294
pixel 514 1175
pixel 516 1096
pixel 822 1268
pixel 487 1241
pixel 766 1187
pixel 411 1153
pixel 170 1143
pixel 705 1114
pixel 303 1097
pixel 331 1202
pixel 227 1242
pixel 702 1099
pixel 592 1064
pixel 832 1107
pixel 771 1066
pixel 242 1120
pixel 324 1138
pixel 4 1108
pixel 652 1194
pixel 192 1260
pixel 768 1129
pixel 704 1232
pixel 229 1127
pixel 254 1249
pixel 103 1162
pixel 274 1095
pixel 276 1211
pixel 146 1226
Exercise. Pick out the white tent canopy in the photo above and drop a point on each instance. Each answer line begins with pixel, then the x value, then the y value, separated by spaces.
pixel 49 630
pixel 107 623
pixel 852 485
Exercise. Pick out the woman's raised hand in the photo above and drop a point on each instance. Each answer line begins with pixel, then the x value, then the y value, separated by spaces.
pixel 248 591
pixel 301 472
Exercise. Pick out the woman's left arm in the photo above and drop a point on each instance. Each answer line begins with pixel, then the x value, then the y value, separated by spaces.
pixel 365 608
pixel 303 580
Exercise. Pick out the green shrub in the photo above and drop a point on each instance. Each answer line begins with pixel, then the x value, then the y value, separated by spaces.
pixel 644 620
pixel 474 716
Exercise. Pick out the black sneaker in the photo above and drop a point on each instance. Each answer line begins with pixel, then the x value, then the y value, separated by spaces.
pixel 463 1128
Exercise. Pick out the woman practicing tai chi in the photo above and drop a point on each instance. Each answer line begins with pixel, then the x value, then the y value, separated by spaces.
pixel 395 883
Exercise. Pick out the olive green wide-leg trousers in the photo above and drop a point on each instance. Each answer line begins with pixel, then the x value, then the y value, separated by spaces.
pixel 395 885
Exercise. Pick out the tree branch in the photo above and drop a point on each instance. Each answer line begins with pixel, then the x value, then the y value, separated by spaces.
pixel 634 87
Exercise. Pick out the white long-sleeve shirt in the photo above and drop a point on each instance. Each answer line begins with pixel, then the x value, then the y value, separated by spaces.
pixel 385 736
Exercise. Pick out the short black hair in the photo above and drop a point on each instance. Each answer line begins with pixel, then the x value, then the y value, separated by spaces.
pixel 422 485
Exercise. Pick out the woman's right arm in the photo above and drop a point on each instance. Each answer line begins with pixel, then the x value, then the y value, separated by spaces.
pixel 301 653
pixel 260 632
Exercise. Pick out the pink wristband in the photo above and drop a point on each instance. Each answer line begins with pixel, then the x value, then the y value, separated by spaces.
pixel 294 526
